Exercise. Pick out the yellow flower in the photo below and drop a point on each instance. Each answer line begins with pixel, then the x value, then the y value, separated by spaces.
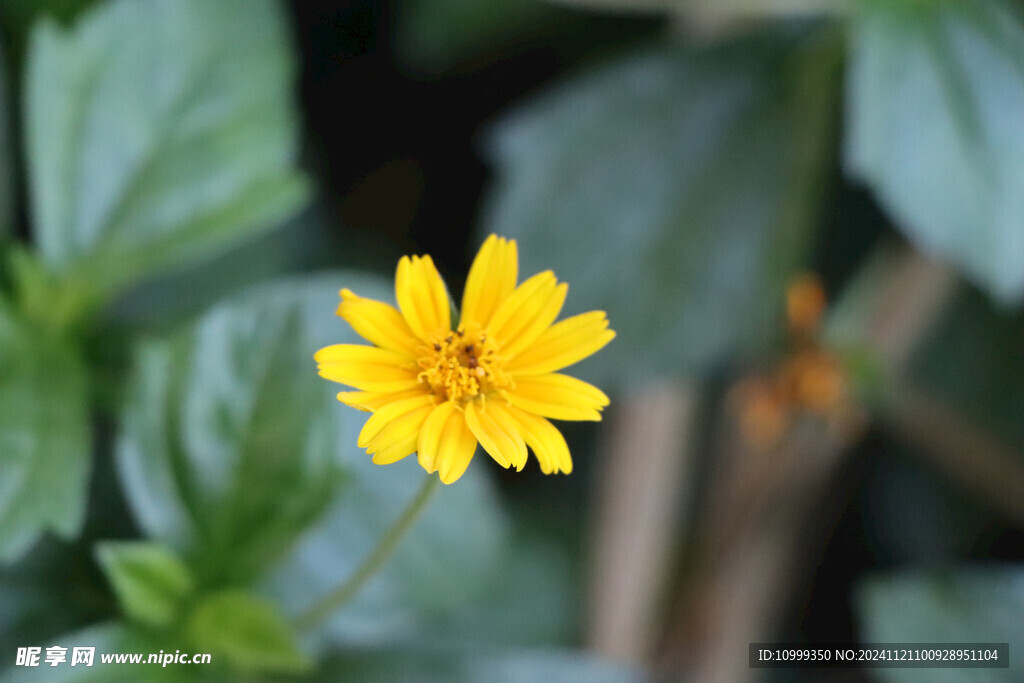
pixel 492 380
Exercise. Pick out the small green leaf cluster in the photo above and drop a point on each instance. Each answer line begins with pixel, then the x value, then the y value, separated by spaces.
pixel 155 133
pixel 144 150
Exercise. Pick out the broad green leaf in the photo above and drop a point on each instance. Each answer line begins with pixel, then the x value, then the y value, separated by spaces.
pixel 306 242
pixel 674 189
pixel 157 132
pixel 454 562
pixel 149 580
pixel 148 454
pixel 935 91
pixel 967 605
pixel 45 436
pixel 230 441
pixel 250 633
pixel 458 576
pixel 530 600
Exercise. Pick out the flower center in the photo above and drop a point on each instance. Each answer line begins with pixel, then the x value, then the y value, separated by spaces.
pixel 462 365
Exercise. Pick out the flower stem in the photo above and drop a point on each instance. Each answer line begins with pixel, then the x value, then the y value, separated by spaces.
pixel 321 610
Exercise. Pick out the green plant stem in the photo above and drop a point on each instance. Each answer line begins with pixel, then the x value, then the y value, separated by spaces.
pixel 327 605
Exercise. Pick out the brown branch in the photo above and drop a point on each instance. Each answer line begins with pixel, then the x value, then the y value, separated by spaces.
pixel 645 460
pixel 892 305
pixel 745 561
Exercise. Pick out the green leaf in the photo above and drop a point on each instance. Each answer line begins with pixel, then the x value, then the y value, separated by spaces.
pixel 674 189
pixel 148 454
pixel 43 299
pixel 230 441
pixel 157 132
pixel 967 605
pixel 309 241
pixel 149 580
pixel 247 631
pixel 45 436
pixel 933 93
pixel 528 565
pixel 453 565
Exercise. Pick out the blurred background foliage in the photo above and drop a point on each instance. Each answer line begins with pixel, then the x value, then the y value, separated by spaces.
pixel 185 185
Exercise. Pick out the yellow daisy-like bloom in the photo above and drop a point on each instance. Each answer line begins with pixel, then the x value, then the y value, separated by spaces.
pixel 438 391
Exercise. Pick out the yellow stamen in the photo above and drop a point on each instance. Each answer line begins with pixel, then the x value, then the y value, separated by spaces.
pixel 463 365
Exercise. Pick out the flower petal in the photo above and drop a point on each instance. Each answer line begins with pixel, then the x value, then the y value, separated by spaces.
pixel 390 413
pixel 530 310
pixel 547 442
pixel 498 443
pixel 558 396
pixel 497 412
pixel 366 367
pixel 398 433
pixel 563 344
pixel 378 323
pixel 457 448
pixel 422 297
pixel 396 451
pixel 369 401
pixel 491 279
pixel 432 434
